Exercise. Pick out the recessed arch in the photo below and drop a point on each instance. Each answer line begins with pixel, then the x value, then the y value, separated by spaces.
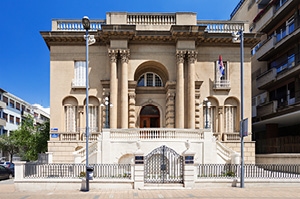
pixel 150 116
pixel 231 101
pixel 152 66
pixel 70 101
pixel 92 101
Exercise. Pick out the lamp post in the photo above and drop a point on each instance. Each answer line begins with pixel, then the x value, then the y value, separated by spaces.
pixel 106 111
pixel 207 105
pixel 86 25
pixel 240 36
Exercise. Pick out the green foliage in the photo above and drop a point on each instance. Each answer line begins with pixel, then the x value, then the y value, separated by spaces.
pixel 31 139
pixel 8 144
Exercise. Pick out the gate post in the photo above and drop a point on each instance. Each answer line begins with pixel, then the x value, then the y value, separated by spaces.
pixel 139 168
pixel 189 167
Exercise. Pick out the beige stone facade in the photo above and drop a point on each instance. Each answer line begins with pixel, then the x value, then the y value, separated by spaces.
pixel 156 70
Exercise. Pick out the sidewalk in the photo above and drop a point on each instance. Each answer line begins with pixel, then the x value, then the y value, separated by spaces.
pixel 7 191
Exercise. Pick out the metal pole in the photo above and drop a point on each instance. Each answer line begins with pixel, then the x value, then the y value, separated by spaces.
pixel 87 109
pixel 206 115
pixel 106 121
pixel 242 109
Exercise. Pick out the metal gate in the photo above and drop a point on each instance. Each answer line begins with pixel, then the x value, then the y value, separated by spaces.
pixel 163 165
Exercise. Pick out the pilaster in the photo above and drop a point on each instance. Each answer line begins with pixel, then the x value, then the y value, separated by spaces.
pixel 170 104
pixel 192 57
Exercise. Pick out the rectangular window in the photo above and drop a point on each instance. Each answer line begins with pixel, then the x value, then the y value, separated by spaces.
pixel 36 115
pixel 222 75
pixel 23 108
pixel 70 118
pixel 12 103
pixel 93 118
pixel 230 119
pixel 5 99
pixel 18 106
pixel 291 25
pixel 5 116
pixel 11 119
pixel 79 74
pixel 211 117
pixel 17 121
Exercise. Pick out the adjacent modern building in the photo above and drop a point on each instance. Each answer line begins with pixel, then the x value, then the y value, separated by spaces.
pixel 13 110
pixel 275 73
pixel 154 81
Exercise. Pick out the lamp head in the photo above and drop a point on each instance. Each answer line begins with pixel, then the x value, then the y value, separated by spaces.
pixel 106 98
pixel 206 99
pixel 86 22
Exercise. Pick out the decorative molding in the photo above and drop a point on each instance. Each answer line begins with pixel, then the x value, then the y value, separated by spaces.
pixel 180 56
pixel 192 56
pixel 112 53
pixel 125 54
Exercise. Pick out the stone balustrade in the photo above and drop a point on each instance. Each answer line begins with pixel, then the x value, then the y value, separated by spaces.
pixel 156 134
pixel 75 24
pixel 232 136
pixel 213 26
pixel 151 19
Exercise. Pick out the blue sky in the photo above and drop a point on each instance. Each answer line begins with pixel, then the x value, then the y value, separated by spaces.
pixel 25 60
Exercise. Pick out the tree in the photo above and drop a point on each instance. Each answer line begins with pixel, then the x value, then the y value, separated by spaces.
pixel 8 145
pixel 31 139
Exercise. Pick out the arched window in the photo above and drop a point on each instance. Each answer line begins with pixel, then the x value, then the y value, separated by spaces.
pixel 150 80
pixel 70 108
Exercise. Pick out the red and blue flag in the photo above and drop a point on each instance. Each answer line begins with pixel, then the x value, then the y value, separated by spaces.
pixel 221 67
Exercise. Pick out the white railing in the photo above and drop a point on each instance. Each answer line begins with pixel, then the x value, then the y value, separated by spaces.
pixel 75 24
pixel 232 136
pixel 224 152
pixel 222 26
pixel 78 83
pixel 82 152
pixel 222 84
pixel 68 136
pixel 151 19
pixel 156 134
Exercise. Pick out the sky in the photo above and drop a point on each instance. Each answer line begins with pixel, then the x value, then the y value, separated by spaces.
pixel 24 56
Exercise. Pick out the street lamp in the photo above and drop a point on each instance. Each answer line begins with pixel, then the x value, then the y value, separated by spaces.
pixel 207 104
pixel 86 25
pixel 240 36
pixel 106 111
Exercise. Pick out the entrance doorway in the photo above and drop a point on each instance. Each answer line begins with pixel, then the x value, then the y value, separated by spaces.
pixel 149 117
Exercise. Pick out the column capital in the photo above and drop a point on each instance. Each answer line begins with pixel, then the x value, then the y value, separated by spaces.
pixel 192 56
pixel 131 95
pixel 180 56
pixel 125 54
pixel 112 53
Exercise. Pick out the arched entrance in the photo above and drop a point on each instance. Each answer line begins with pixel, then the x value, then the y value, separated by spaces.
pixel 149 117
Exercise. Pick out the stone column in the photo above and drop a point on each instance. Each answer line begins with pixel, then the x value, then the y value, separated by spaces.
pixel 179 117
pixel 124 88
pixel 192 57
pixel 113 88
pixel 19 170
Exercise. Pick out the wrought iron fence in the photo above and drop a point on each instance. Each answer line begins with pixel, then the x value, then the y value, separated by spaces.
pixel 254 171
pixel 101 171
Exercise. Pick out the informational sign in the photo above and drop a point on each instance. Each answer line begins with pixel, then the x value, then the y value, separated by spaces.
pixel 54 135
pixel 244 128
pixel 54 129
pixel 189 159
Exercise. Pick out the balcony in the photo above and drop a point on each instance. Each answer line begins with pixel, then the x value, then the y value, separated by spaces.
pixel 267 109
pixel 222 85
pixel 2 122
pixel 267 18
pixel 266 78
pixel 78 83
pixel 265 48
pixel 2 105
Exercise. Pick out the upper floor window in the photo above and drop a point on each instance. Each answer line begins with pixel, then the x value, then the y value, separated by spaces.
pixel 279 3
pixel 150 80
pixel 18 107
pixel 286 29
pixel 5 99
pixel 5 116
pixel 79 74
pixel 17 121
pixel 11 103
pixel 11 119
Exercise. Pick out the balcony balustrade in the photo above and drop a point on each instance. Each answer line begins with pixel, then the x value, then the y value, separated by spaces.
pixel 267 109
pixel 266 78
pixel 2 122
pixel 2 105
pixel 265 48
pixel 222 85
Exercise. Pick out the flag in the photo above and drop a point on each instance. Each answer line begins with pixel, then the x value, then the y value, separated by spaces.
pixel 221 67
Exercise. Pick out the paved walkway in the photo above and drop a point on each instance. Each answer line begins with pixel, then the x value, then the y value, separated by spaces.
pixel 7 191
